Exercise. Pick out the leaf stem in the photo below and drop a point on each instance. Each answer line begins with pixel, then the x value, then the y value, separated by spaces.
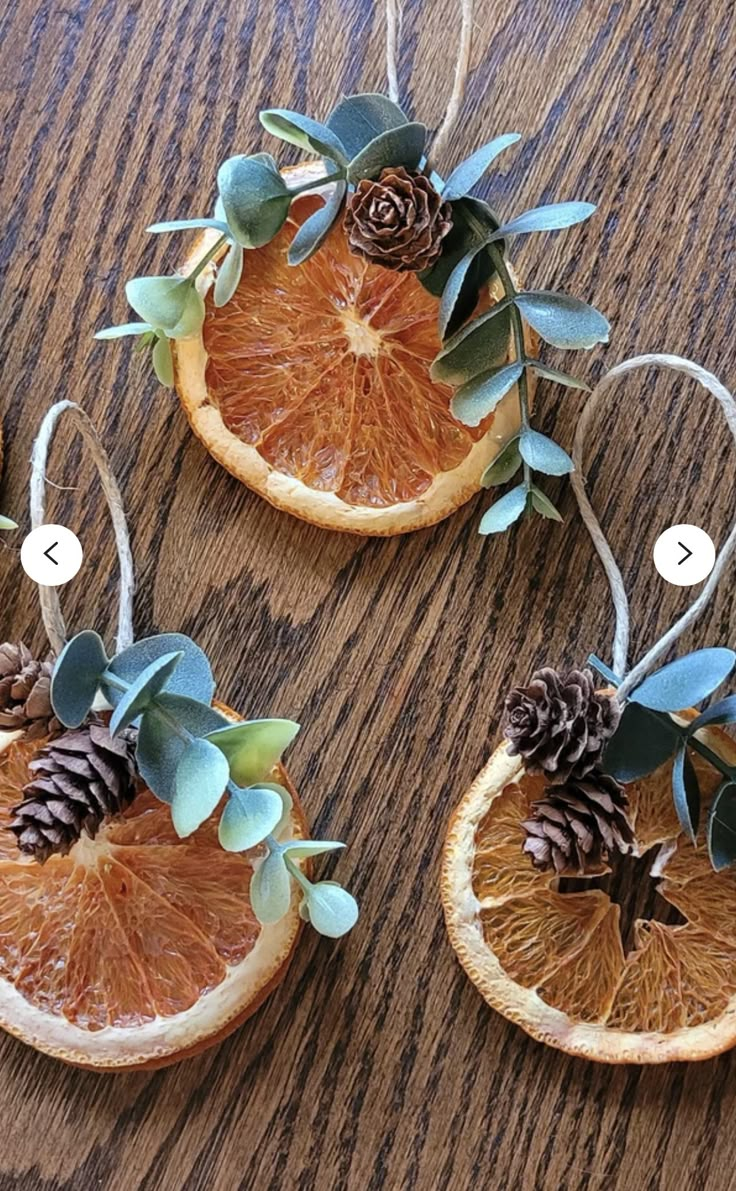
pixel 336 177
pixel 297 874
pixel 510 292
pixel 208 256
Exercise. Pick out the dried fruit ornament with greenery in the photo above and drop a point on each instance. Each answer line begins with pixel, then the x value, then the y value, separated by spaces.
pixel 534 866
pixel 156 867
pixel 328 311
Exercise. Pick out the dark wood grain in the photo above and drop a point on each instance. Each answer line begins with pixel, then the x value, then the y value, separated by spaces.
pixel 376 1064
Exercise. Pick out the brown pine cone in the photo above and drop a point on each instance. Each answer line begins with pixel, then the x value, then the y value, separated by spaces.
pixel 559 724
pixel 80 779
pixel 579 824
pixel 25 692
pixel 398 221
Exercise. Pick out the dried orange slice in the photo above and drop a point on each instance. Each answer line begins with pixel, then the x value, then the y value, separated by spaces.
pixel 138 948
pixel 312 387
pixel 548 953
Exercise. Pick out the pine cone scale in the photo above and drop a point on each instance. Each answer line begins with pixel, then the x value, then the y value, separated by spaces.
pixel 25 692
pixel 578 824
pixel 398 220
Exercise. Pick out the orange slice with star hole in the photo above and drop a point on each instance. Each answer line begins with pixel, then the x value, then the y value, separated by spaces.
pixel 548 952
pixel 312 387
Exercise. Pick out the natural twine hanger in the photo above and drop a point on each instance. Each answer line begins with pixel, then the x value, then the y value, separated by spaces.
pixel 462 67
pixel 613 573
pixel 50 605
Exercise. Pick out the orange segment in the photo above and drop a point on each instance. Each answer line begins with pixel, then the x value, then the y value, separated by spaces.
pixel 137 945
pixel 584 986
pixel 708 902
pixel 501 868
pixel 532 936
pixel 312 386
pixel 707 974
pixel 650 995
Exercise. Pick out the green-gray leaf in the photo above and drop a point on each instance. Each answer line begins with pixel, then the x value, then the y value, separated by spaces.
pixel 254 747
pixel 123 329
pixel 686 681
pixel 504 467
pixel 464 177
pixel 550 218
pixel 542 454
pixel 454 288
pixel 201 777
pixel 554 374
pixel 686 792
pixel 359 119
pixel 504 512
pixel 169 304
pixel 139 696
pixel 7 523
pixel 543 505
pixel 301 848
pixel 228 275
pixel 722 826
pixel 722 712
pixel 395 147
pixel 332 910
pixel 185 225
pixel 641 743
pixel 163 361
pixel 255 199
pixel 308 134
pixel 472 222
pixel 476 399
pixel 249 816
pixel 563 321
pixel 270 889
pixel 159 748
pixel 193 675
pixel 76 678
pixel 476 348
pixel 312 233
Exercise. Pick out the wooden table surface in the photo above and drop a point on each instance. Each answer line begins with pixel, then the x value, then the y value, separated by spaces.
pixel 376 1064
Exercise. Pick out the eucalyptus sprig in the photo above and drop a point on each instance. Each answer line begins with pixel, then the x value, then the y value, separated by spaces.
pixel 6 523
pixel 189 755
pixel 650 733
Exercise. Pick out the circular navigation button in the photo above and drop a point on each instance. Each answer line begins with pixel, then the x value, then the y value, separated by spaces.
pixel 684 555
pixel 51 555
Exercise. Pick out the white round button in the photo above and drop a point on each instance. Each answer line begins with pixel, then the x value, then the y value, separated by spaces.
pixel 51 555
pixel 684 555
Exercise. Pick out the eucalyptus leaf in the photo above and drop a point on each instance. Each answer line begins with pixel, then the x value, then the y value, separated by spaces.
pixel 254 747
pixel 201 777
pixel 163 361
pixel 394 147
pixel 313 231
pixel 722 712
pixel 472 223
pixel 185 225
pixel 169 304
pixel 563 321
pixel 504 467
pixel 641 743
pixel 301 848
pixel 76 678
pixel 140 694
pixel 686 792
pixel 160 746
pixel 550 218
pixel 542 454
pixel 504 511
pixel 686 681
pixel 721 830
pixel 249 816
pixel 255 199
pixel 192 678
pixel 359 119
pixel 476 399
pixel 228 275
pixel 270 889
pixel 122 330
pixel 7 523
pixel 308 134
pixel 456 283
pixel 543 505
pixel 332 910
pixel 464 177
pixel 476 348
pixel 554 374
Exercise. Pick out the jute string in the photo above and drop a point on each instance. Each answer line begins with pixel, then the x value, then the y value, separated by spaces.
pixel 613 573
pixel 49 596
pixel 462 68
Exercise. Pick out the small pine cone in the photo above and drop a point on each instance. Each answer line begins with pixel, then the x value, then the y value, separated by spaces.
pixel 578 824
pixel 80 779
pixel 398 221
pixel 25 692
pixel 559 724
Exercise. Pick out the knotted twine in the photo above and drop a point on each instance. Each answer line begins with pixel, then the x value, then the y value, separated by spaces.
pixel 610 566
pixel 51 613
